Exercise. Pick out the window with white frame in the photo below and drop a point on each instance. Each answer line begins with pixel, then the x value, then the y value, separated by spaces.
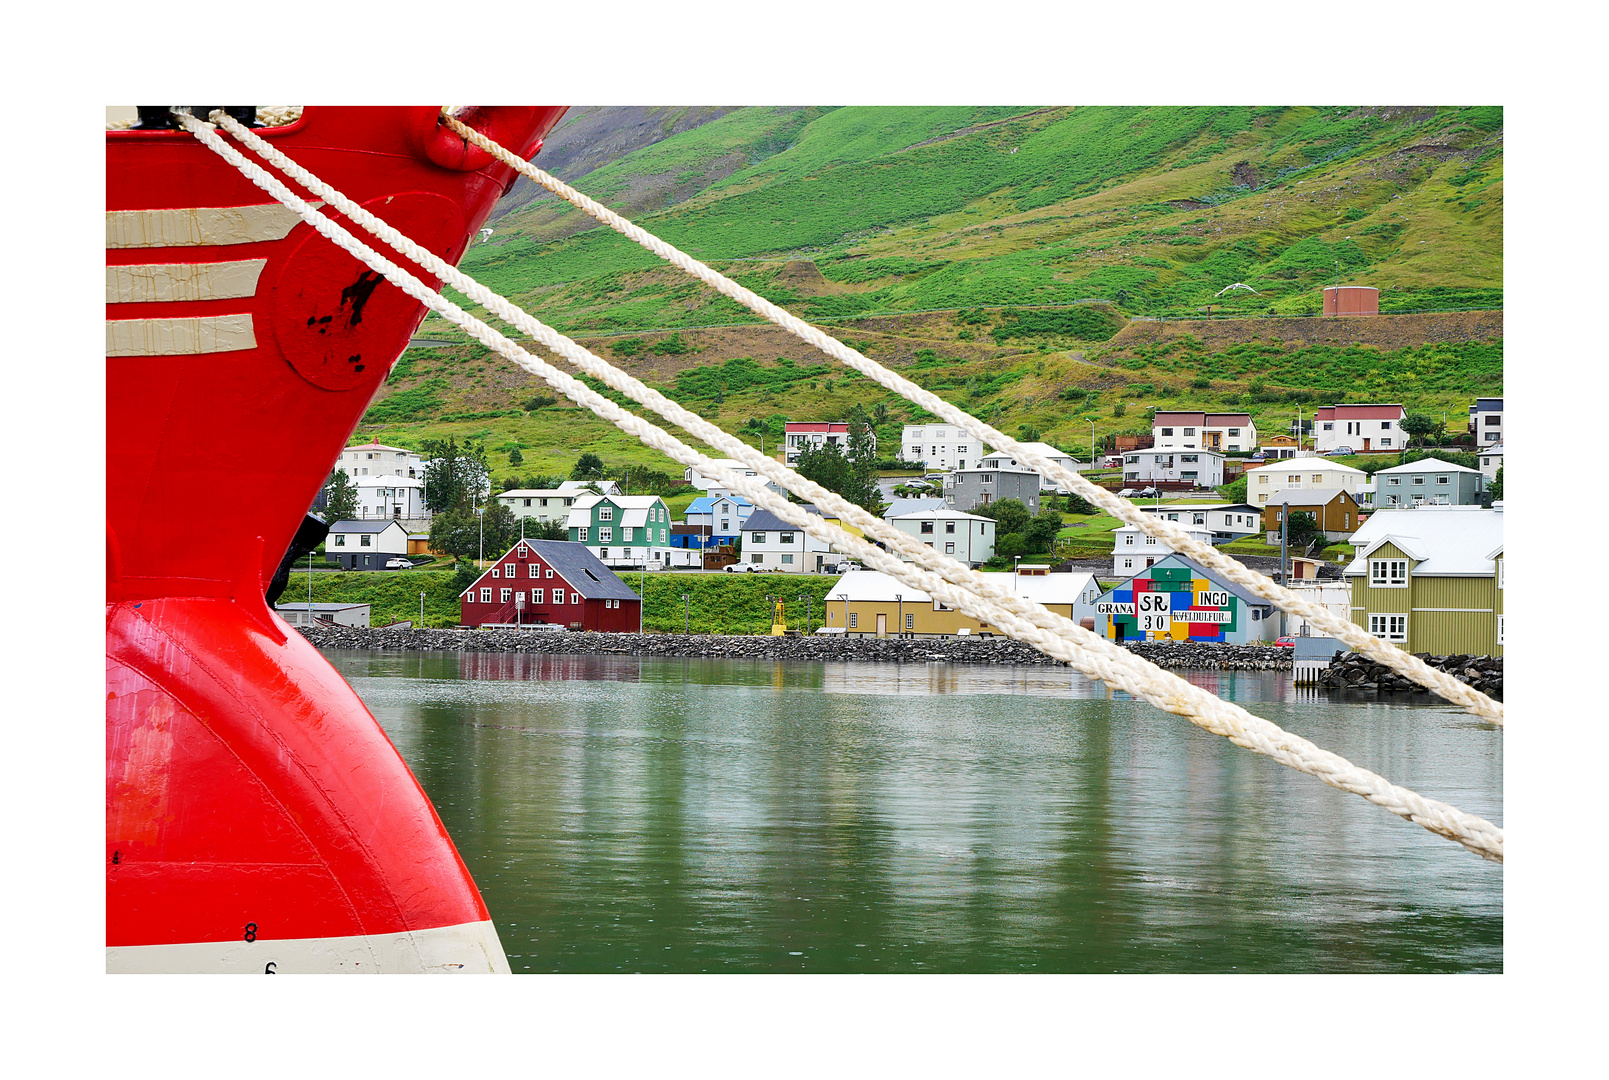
pixel 1442 480
pixel 1385 442
pixel 1500 629
pixel 549 572
pixel 575 598
pixel 854 617
pixel 1499 573
pixel 535 570
pixel 1150 540
pixel 1388 573
pixel 756 557
pixel 788 558
pixel 606 513
pixel 497 571
pixel 1128 564
pixel 910 622
pixel 605 535
pixel 581 534
pixel 486 596
pixel 537 595
pixel 506 595
pixel 510 570
pixel 1389 627
pixel 558 596
pixel 757 538
pixel 949 549
pixel 786 538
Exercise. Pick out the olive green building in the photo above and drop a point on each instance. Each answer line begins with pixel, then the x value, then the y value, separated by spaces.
pixel 1430 579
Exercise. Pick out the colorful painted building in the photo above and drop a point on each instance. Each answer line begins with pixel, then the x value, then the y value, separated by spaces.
pixel 626 531
pixel 552 582
pixel 1180 600
pixel 1430 579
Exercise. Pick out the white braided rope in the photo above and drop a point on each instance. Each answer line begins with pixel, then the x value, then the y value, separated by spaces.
pixel 1045 631
pixel 1354 636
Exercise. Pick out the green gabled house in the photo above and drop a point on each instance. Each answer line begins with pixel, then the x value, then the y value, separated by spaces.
pixel 624 531
pixel 1430 579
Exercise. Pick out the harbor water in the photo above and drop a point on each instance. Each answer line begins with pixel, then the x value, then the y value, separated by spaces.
pixel 634 814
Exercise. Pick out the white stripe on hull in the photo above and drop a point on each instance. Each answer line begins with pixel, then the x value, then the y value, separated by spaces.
pixel 469 948
pixel 165 282
pixel 179 337
pixel 199 226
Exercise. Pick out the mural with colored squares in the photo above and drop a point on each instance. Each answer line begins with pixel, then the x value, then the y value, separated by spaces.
pixel 1178 600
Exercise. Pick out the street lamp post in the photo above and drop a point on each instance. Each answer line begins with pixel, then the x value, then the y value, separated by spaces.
pixel 899 628
pixel 421 611
pixel 480 519
pixel 845 598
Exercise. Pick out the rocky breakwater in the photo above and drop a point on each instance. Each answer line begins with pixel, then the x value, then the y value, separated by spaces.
pixel 1353 671
pixel 1167 654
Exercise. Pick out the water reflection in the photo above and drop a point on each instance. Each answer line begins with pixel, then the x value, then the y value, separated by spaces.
pixel 628 813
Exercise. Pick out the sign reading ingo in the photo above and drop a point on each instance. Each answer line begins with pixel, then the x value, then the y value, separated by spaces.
pixel 1154 610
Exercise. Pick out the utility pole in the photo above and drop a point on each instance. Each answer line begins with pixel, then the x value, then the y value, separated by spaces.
pixel 421 611
pixel 687 612
pixel 899 629
pixel 1284 572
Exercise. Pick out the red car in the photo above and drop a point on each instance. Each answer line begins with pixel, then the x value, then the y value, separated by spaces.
pixel 1285 643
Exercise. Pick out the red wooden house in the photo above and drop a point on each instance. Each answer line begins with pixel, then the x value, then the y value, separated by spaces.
pixel 554 582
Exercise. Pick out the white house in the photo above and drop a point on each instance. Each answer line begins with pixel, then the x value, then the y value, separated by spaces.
pixel 940 446
pixel 542 504
pixel 722 515
pixel 1491 459
pixel 712 486
pixel 1133 550
pixel 377 459
pixel 1428 481
pixel 967 538
pixel 1364 428
pixel 1226 521
pixel 901 506
pixel 798 434
pixel 1486 421
pixel 1001 459
pixel 769 543
pixel 365 545
pixel 1203 468
pixel 1227 432
pixel 305 614
pixel 393 496
pixel 1265 482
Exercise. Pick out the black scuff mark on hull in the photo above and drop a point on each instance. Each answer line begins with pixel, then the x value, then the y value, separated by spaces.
pixel 357 294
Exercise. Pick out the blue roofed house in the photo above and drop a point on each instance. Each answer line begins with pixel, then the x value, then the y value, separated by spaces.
pixel 723 515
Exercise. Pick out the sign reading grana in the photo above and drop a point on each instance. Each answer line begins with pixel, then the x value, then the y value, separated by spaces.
pixel 1108 607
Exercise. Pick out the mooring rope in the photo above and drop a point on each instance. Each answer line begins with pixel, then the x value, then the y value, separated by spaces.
pixel 1050 633
pixel 1352 635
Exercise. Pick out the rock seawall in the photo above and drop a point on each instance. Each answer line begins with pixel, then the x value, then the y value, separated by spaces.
pixel 1352 671
pixel 1167 654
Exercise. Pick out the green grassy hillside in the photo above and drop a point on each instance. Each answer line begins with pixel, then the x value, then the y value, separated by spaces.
pixel 955 242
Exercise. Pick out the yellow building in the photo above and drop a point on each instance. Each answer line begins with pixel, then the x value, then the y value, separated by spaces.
pixel 868 603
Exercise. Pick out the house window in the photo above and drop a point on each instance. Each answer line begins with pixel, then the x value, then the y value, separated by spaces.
pixel 486 596
pixel 1389 627
pixel 854 616
pixel 497 571
pixel 1418 481
pixel 1385 442
pixel 988 478
pixel 625 535
pixel 1261 479
pixel 535 570
pixel 603 553
pixel 506 595
pixel 1189 431
pixel 757 538
pixel 756 557
pixel 1167 431
pixel 787 559
pixel 550 572
pixel 510 570
pixel 528 502
pixel 1393 481
pixel 1441 480
pixel 1329 427
pixel 910 622
pixel 949 526
pixel 927 527
pixel 581 534
pixel 1128 564
pixel 1499 573
pixel 1150 540
pixel 786 538
pixel 1234 433
pixel 1385 425
pixel 558 596
pixel 606 513
pixel 1293 479
pixel 365 540
pixel 575 598
pixel 1500 629
pixel 340 540
pixel 1192 458
pixel 1388 573
pixel 949 549
pixel 537 595
pixel 1318 478
pixel 1128 539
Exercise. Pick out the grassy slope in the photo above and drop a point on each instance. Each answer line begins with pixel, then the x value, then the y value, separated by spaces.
pixel 852 211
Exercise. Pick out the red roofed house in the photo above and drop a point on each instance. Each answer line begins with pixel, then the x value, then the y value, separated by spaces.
pixel 550 581
pixel 797 434
pixel 1224 432
pixel 1362 427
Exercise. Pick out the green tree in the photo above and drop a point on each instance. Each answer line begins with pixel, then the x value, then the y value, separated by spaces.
pixel 515 457
pixel 546 530
pixel 1417 426
pixel 1010 516
pixel 463 532
pixel 1009 546
pixel 862 458
pixel 455 476
pixel 588 467
pixel 1235 492
pixel 1119 408
pixel 1028 433
pixel 1495 490
pixel 1040 535
pixel 1302 533
pixel 340 498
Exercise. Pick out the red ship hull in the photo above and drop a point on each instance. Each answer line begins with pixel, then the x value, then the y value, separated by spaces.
pixel 258 819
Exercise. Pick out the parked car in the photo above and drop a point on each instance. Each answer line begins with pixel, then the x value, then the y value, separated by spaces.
pixel 399 564
pixel 1285 643
pixel 1339 451
pixel 736 568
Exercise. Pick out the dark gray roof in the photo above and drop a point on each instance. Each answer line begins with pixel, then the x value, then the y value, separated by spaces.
pixel 374 525
pixel 583 571
pixel 766 521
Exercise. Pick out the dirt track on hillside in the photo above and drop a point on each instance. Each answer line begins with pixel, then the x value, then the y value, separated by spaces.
pixel 1382 331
